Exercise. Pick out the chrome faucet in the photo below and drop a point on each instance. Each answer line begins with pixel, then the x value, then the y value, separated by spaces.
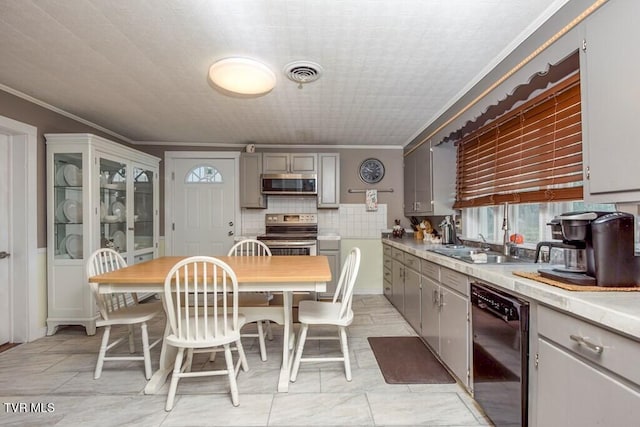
pixel 506 244
pixel 485 246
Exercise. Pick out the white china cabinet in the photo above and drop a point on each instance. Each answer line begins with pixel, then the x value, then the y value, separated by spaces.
pixel 99 194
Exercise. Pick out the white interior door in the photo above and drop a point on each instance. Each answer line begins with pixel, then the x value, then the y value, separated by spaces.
pixel 5 180
pixel 204 206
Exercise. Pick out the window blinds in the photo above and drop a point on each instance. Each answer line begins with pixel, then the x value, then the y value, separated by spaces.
pixel 531 154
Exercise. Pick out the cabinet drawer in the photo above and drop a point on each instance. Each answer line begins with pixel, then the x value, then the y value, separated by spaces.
pixel 431 270
pixel 615 353
pixel 387 275
pixel 328 245
pixel 142 258
pixel 397 254
pixel 455 280
pixel 386 250
pixel 412 262
pixel 387 262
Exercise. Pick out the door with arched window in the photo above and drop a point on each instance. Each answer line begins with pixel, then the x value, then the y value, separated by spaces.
pixel 204 206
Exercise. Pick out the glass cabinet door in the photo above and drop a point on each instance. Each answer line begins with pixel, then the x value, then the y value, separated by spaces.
pixel 67 194
pixel 113 205
pixel 142 208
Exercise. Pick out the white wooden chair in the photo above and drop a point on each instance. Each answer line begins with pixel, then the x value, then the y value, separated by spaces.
pixel 337 312
pixel 120 309
pixel 250 303
pixel 213 321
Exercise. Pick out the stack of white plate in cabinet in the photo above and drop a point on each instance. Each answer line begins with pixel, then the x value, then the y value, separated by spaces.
pixel 69 175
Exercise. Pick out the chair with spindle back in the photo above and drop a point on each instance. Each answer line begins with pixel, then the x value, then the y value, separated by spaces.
pixel 212 322
pixel 250 302
pixel 120 309
pixel 336 312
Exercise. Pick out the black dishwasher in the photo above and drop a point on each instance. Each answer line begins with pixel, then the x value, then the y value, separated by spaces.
pixel 500 325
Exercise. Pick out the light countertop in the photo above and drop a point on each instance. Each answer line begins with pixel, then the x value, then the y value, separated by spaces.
pixel 328 237
pixel 619 311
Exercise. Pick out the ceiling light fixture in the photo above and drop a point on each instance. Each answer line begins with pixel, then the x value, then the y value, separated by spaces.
pixel 242 76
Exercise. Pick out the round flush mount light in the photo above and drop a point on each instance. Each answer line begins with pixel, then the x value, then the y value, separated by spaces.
pixel 242 76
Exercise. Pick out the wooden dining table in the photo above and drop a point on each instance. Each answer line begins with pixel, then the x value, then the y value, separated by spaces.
pixel 286 274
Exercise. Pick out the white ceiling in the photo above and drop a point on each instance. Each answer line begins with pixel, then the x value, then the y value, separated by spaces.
pixel 138 68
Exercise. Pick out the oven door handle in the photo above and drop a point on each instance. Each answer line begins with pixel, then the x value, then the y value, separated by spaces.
pixel 288 244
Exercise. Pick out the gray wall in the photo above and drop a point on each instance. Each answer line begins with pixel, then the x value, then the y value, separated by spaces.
pixel 50 122
pixel 555 52
pixel 46 121
pixel 350 160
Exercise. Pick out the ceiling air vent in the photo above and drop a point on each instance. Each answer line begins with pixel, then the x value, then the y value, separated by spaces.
pixel 302 72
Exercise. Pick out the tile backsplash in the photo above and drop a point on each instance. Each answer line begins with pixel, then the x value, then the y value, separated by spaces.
pixel 348 221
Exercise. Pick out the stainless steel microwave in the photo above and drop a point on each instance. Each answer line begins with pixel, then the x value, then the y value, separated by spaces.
pixel 290 183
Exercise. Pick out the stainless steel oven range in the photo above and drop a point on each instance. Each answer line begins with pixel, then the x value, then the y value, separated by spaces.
pixel 291 234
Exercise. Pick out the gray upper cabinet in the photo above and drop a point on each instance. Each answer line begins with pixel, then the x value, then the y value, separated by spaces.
pixel 328 180
pixel 429 180
pixel 417 181
pixel 250 170
pixel 325 165
pixel 289 163
pixel 610 107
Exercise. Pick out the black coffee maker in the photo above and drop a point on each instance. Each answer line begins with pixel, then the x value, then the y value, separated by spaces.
pixel 607 239
pixel 573 254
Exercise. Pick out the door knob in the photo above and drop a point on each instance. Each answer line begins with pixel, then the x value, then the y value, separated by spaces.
pixel 4 255
pixel 230 223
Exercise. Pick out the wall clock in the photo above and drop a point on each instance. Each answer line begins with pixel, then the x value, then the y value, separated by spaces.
pixel 371 171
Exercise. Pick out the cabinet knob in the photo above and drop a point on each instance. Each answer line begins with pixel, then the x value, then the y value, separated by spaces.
pixel 4 255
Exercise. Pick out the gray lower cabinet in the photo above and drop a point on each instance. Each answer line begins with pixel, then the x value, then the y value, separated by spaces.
pixel 397 279
pixel 412 292
pixel 331 249
pixel 250 191
pixel 435 302
pixel 454 333
pixel 397 285
pixel 387 275
pixel 445 317
pixel 431 312
pixel 586 375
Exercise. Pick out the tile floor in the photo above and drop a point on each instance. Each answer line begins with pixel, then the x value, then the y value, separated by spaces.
pixel 57 372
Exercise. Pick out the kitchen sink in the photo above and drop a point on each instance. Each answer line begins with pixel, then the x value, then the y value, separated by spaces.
pixel 493 259
pixel 479 255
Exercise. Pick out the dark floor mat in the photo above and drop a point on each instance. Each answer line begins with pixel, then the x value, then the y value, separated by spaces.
pixel 407 360
pixel 7 346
